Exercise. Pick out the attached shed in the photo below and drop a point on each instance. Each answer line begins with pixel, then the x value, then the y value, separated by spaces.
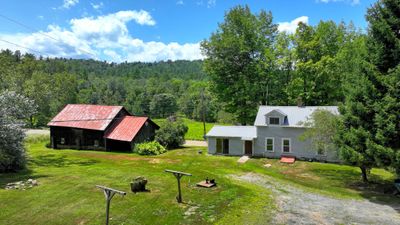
pixel 231 140
pixel 99 127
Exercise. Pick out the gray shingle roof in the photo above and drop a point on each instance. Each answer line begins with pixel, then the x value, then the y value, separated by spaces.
pixel 294 114
pixel 244 132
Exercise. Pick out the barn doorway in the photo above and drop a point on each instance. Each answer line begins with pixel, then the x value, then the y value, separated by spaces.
pixel 248 147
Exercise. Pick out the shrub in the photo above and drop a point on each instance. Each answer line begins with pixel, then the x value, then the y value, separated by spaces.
pixel 172 133
pixel 149 148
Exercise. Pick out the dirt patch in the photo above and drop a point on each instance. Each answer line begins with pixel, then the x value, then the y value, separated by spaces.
pixel 130 158
pixel 295 206
pixel 195 143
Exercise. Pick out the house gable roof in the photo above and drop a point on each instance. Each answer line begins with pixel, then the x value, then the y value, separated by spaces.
pixel 93 117
pixel 276 111
pixel 127 128
pixel 294 115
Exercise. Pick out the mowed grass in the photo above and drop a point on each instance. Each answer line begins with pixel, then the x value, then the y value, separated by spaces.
pixel 196 128
pixel 67 192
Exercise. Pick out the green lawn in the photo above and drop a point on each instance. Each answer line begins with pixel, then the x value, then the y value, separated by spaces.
pixel 196 129
pixel 67 193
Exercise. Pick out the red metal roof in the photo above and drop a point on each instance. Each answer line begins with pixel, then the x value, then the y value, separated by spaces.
pixel 93 117
pixel 126 129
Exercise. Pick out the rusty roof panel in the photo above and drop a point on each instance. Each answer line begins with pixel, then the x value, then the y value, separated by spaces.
pixel 93 117
pixel 126 128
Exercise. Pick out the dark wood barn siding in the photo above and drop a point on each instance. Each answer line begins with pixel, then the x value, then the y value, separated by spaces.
pixel 76 138
pixel 146 133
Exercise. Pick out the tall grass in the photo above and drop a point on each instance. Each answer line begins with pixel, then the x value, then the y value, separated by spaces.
pixel 36 138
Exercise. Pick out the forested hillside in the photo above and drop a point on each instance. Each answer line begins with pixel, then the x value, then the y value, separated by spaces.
pixel 311 66
pixel 156 89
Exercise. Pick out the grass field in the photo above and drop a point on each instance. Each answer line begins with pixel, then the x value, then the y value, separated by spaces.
pixel 67 193
pixel 196 129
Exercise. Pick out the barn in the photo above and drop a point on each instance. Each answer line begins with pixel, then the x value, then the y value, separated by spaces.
pixel 99 127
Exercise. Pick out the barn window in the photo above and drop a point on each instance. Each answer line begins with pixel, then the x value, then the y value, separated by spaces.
pixel 62 141
pixel 96 143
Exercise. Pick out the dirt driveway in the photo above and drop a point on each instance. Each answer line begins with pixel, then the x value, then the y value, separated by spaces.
pixel 296 206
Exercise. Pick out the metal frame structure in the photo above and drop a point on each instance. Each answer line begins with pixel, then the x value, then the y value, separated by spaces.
pixel 109 194
pixel 178 176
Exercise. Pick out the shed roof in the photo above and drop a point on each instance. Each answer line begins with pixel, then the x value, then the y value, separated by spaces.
pixel 93 117
pixel 244 132
pixel 295 115
pixel 126 128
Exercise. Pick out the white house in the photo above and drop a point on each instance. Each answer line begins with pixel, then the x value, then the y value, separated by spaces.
pixel 275 133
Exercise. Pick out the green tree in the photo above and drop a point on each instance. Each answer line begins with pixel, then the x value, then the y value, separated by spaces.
pixel 14 109
pixel 172 133
pixel 384 52
pixel 239 59
pixel 322 129
pixel 163 105
pixel 371 110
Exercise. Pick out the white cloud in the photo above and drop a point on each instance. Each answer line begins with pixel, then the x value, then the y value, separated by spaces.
pixel 97 6
pixel 69 3
pixel 211 3
pixel 351 2
pixel 180 2
pixel 105 37
pixel 290 27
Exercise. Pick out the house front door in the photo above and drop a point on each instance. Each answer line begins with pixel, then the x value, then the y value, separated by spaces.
pixel 248 148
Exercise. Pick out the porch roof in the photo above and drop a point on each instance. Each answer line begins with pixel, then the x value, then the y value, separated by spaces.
pixel 243 132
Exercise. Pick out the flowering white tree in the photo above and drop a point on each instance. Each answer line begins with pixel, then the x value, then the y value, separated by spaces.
pixel 14 111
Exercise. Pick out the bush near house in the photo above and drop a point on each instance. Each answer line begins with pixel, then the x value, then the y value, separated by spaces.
pixel 172 133
pixel 149 148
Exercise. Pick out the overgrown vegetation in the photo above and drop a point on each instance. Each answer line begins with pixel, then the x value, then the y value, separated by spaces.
pixel 149 148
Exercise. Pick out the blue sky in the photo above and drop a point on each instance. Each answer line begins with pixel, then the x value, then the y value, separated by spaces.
pixel 145 30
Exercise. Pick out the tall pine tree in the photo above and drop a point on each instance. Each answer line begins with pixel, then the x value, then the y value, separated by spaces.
pixel 371 110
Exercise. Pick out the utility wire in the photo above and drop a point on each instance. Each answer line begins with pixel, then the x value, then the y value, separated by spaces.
pixel 18 45
pixel 39 32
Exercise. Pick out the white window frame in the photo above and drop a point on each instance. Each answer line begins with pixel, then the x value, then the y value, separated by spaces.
pixel 269 120
pixel 290 145
pixel 273 144
pixel 62 141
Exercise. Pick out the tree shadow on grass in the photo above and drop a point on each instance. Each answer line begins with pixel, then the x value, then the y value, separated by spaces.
pixel 55 160
pixel 378 190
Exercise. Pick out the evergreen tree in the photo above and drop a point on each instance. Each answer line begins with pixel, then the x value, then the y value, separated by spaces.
pixel 371 112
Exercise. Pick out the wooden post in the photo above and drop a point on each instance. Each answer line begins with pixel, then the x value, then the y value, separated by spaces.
pixel 203 114
pixel 109 194
pixel 178 176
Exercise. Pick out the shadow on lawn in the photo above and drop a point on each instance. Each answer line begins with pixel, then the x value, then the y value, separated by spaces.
pixel 378 190
pixel 55 160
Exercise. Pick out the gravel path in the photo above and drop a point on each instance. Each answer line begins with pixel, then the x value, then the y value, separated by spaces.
pixel 195 143
pixel 296 206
